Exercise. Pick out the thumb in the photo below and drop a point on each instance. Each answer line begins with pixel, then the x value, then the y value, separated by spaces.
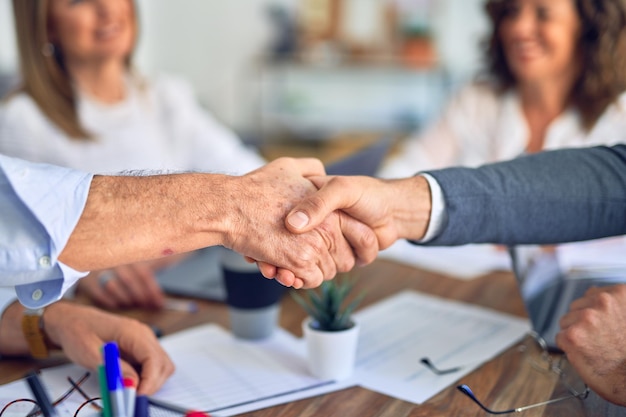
pixel 313 209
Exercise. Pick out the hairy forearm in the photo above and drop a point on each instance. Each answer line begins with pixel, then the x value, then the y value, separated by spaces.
pixel 127 219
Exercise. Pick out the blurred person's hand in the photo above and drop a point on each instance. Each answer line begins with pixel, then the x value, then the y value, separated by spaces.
pixel 127 286
pixel 593 336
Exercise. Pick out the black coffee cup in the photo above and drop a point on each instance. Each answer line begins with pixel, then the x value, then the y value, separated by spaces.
pixel 253 300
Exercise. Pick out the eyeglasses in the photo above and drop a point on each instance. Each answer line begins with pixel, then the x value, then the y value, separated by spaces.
pixel 549 363
pixel 74 387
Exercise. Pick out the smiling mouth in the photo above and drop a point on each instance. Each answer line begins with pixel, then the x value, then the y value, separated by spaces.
pixel 109 32
pixel 524 50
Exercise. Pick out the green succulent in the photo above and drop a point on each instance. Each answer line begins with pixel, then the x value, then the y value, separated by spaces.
pixel 326 307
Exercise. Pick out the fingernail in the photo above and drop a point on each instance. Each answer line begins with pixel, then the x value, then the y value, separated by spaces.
pixel 298 220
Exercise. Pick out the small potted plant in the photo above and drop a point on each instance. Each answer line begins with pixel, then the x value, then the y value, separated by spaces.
pixel 330 332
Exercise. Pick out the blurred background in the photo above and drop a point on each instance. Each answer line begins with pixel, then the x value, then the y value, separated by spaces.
pixel 306 76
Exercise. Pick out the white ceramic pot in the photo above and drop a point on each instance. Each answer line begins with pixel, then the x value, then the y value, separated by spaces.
pixel 331 355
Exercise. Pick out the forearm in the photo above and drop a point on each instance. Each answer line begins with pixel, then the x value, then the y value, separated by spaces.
pixel 552 197
pixel 411 211
pixel 127 219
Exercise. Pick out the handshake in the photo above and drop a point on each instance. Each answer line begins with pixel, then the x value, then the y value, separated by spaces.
pixel 303 227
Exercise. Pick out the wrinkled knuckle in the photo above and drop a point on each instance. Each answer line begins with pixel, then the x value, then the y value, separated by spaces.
pixel 307 254
pixel 346 263
pixel 169 366
pixel 138 327
pixel 588 317
pixel 340 182
pixel 369 242
pixel 316 204
pixel 604 299
pixel 570 336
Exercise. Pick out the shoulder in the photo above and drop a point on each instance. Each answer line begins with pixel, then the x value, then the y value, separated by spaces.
pixel 613 121
pixel 20 105
pixel 20 113
pixel 25 131
pixel 619 106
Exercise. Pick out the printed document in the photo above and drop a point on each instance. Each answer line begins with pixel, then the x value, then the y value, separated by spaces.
pixel 218 373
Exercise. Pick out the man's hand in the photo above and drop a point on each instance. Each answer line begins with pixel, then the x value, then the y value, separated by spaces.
pixel 394 209
pixel 80 331
pixel 258 209
pixel 593 335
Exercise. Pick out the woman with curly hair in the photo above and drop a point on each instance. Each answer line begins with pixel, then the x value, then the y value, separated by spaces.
pixel 555 77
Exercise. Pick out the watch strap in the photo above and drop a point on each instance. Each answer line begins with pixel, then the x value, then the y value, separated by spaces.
pixel 32 327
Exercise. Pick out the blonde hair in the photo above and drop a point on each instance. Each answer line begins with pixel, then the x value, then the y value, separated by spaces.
pixel 44 76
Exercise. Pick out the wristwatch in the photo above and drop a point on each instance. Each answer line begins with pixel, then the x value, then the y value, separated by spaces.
pixel 32 326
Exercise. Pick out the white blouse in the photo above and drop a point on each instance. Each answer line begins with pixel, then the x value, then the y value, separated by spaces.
pixel 481 126
pixel 159 126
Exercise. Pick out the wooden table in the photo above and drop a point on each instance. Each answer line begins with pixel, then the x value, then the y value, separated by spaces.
pixel 507 381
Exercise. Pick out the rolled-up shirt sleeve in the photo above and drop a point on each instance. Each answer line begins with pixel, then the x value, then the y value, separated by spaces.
pixel 40 206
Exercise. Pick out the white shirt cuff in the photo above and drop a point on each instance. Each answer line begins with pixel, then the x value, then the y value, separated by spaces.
pixel 437 211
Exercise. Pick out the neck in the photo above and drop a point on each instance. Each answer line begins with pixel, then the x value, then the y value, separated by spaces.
pixel 549 95
pixel 103 81
pixel 545 97
pixel 542 102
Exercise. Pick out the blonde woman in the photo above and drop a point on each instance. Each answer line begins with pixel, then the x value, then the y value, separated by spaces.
pixel 82 105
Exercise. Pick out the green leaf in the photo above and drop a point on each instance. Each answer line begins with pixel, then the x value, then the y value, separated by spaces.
pixel 325 304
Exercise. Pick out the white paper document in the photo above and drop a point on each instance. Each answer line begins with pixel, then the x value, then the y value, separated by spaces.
pixel 462 262
pixel 218 373
pixel 215 372
pixel 226 376
pixel 399 331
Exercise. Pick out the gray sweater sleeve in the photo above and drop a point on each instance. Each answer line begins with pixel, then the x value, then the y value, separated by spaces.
pixel 551 197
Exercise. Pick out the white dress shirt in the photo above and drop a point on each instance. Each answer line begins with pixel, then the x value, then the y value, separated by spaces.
pixel 40 206
pixel 480 126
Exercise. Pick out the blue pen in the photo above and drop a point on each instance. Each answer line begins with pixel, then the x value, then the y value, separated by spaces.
pixel 43 401
pixel 114 379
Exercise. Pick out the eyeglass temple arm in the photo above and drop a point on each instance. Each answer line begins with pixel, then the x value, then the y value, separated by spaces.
pixel 467 391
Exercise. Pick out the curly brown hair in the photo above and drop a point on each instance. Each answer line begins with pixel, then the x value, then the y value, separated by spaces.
pixel 602 52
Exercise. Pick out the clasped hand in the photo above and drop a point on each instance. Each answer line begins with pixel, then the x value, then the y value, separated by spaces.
pixel 332 223
pixel 302 260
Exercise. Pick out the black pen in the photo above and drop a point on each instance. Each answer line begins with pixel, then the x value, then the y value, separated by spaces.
pixel 41 396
